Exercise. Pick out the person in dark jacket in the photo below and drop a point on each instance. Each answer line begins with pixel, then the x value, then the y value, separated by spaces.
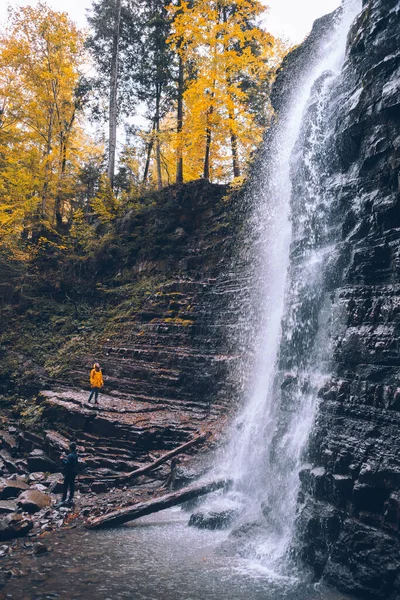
pixel 70 463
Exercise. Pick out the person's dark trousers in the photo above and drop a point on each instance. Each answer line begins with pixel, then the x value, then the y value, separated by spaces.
pixel 95 393
pixel 69 484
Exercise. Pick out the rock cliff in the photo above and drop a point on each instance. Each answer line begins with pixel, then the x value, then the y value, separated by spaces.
pixel 155 323
pixel 348 526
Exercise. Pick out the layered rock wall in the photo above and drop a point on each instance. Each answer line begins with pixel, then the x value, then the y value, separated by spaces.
pixel 349 523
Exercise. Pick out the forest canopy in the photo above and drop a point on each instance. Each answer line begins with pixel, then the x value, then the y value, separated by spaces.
pixel 152 93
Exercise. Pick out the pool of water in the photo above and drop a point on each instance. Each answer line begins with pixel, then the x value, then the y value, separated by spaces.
pixel 156 558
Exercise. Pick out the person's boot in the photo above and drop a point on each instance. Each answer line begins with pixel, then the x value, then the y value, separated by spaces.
pixel 60 504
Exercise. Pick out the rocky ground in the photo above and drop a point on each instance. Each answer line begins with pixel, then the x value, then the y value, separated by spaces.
pixel 114 437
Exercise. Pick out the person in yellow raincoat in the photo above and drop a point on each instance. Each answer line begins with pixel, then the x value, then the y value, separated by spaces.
pixel 96 382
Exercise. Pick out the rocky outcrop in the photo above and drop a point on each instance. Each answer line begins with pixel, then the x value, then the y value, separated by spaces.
pixel 349 525
pixel 33 501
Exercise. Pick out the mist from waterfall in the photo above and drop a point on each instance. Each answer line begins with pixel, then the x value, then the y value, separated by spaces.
pixel 292 250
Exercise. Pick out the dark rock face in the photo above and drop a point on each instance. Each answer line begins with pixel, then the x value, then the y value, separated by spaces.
pixel 349 524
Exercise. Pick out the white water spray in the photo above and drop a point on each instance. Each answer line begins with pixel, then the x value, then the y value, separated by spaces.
pixel 290 255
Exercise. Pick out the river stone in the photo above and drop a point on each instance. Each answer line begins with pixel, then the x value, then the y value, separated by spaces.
pixel 32 501
pixel 14 525
pixel 11 488
pixel 204 519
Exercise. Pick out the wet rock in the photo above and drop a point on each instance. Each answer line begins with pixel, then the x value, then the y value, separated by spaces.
pixel 40 548
pixel 349 522
pixel 375 555
pixel 204 519
pixel 11 488
pixel 99 487
pixel 36 477
pixel 39 487
pixel 8 506
pixel 39 461
pixel 33 501
pixel 14 525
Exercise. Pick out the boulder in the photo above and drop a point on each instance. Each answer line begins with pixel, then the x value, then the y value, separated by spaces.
pixel 204 519
pixel 99 487
pixel 7 506
pixel 14 525
pixel 11 488
pixel 55 482
pixel 39 461
pixel 32 501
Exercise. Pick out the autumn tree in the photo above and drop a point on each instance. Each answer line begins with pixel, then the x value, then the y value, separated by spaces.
pixel 42 94
pixel 231 60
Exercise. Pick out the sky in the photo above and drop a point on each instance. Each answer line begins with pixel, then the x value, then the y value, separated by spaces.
pixel 291 19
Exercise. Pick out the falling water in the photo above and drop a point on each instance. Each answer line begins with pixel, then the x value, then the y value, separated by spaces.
pixel 294 257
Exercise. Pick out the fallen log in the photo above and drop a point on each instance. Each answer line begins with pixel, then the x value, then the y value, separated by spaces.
pixel 159 461
pixel 135 511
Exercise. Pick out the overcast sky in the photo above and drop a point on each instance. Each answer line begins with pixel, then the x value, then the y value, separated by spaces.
pixel 291 19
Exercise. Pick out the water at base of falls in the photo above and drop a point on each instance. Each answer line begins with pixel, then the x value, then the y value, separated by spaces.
pixel 156 558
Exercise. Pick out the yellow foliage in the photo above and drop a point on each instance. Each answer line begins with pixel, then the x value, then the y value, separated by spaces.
pixel 41 54
pixel 230 58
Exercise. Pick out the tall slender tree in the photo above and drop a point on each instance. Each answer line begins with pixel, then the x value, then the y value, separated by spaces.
pixel 113 109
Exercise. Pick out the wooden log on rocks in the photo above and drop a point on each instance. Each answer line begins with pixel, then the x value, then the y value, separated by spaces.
pixel 135 511
pixel 159 461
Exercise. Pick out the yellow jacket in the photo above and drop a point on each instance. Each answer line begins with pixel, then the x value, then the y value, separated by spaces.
pixel 96 378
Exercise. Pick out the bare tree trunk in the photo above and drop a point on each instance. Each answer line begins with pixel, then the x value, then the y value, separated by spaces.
pixel 179 158
pixel 231 115
pixel 159 461
pixel 158 150
pixel 206 173
pixel 234 147
pixel 47 153
pixel 112 143
pixel 149 151
pixel 135 511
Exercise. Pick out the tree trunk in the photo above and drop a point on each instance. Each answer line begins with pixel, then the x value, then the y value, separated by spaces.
pixel 112 143
pixel 206 172
pixel 164 458
pixel 234 146
pixel 158 150
pixel 149 150
pixel 47 153
pixel 179 158
pixel 231 115
pixel 135 511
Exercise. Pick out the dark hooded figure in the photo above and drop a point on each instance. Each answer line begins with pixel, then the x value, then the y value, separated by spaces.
pixel 70 463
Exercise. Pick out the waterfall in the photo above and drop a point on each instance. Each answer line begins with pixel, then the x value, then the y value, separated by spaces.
pixel 294 258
